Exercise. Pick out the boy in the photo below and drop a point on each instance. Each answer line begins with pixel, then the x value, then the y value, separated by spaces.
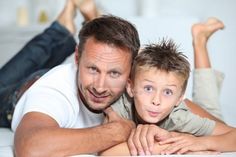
pixel 158 82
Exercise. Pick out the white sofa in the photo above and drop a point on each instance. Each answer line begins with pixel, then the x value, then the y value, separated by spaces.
pixel 6 142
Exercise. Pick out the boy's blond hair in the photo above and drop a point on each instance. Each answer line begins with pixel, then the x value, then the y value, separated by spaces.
pixel 163 56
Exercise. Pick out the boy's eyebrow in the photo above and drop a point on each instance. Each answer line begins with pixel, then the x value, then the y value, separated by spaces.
pixel 165 84
pixel 172 85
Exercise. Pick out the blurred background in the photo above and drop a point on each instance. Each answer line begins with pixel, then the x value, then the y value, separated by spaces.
pixel 20 20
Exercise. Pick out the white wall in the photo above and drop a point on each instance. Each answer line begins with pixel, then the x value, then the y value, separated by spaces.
pixel 221 46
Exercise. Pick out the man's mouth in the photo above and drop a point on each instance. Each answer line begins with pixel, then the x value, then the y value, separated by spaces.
pixel 98 98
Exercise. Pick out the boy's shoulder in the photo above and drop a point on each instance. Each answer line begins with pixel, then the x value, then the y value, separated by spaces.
pixel 181 119
pixel 123 106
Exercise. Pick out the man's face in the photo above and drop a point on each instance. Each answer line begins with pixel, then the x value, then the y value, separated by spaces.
pixel 103 73
pixel 155 93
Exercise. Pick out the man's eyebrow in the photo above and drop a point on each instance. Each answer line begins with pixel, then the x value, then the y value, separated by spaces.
pixel 117 69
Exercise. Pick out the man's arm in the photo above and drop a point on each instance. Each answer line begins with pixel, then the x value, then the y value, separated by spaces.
pixel 196 109
pixel 39 135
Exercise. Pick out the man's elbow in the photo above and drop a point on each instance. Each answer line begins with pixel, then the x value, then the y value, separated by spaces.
pixel 23 148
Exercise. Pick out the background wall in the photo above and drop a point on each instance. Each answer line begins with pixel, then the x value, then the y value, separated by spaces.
pixel 154 19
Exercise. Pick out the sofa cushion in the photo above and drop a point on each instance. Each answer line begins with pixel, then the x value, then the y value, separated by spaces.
pixel 6 142
pixel 6 136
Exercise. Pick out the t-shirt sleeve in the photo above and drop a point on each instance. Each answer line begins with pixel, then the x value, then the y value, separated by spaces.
pixel 182 119
pixel 50 102
pixel 123 107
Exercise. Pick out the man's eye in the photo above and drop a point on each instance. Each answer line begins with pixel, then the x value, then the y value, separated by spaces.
pixel 114 74
pixel 168 92
pixel 148 89
pixel 92 70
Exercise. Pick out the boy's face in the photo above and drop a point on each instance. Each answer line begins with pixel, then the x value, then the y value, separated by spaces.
pixel 155 93
pixel 102 73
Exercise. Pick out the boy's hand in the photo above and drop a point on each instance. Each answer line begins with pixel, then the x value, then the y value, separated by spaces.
pixel 141 140
pixel 185 144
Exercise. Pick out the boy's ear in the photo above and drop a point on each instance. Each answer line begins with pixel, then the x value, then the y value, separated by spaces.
pixel 129 88
pixel 180 99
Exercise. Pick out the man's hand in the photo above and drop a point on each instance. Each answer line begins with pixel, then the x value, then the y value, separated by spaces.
pixel 141 140
pixel 123 127
pixel 186 144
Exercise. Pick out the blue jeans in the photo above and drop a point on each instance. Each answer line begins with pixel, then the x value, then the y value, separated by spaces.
pixel 42 53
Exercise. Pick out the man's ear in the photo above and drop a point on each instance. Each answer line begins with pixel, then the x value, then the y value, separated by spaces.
pixel 129 88
pixel 180 99
pixel 77 55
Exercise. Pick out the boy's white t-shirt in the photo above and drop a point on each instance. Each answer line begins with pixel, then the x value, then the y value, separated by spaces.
pixel 56 94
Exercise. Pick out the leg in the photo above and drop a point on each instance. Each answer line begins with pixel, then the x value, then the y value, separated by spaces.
pixel 43 52
pixel 87 8
pixel 49 48
pixel 206 88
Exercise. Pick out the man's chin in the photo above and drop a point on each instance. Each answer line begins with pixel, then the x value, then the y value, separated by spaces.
pixel 96 107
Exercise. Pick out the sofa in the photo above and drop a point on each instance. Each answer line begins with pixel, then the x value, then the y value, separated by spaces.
pixel 6 142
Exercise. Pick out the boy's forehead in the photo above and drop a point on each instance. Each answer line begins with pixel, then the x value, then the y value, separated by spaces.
pixel 155 73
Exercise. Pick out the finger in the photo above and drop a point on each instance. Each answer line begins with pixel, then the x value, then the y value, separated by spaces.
pixel 161 134
pixel 151 137
pixel 136 140
pixel 203 152
pixel 105 120
pixel 170 140
pixel 111 114
pixel 184 150
pixel 132 148
pixel 174 147
pixel 143 139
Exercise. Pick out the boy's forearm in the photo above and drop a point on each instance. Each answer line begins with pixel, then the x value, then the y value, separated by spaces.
pixel 223 143
pixel 123 150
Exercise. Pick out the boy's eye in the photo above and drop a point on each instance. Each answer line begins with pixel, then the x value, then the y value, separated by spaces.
pixel 148 88
pixel 114 74
pixel 168 92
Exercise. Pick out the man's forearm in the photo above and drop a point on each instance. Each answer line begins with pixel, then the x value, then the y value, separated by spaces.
pixel 53 141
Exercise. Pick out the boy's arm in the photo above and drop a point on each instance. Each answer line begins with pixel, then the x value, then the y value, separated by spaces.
pixel 223 139
pixel 39 135
pixel 123 150
pixel 196 109
pixel 224 143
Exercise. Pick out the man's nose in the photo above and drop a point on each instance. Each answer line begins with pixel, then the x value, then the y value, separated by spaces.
pixel 100 85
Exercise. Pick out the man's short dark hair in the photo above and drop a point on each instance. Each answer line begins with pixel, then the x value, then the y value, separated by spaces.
pixel 112 30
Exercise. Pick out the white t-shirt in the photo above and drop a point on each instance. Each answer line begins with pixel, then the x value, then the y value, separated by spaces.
pixel 55 94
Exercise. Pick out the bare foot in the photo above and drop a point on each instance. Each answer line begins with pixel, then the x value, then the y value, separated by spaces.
pixel 87 8
pixel 66 17
pixel 202 31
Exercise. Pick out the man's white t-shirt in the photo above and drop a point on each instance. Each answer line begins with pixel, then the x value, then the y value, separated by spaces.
pixel 56 94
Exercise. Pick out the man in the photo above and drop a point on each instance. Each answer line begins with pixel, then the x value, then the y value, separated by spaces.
pixel 75 95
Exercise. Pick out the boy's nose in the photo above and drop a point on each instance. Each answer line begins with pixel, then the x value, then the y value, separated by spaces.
pixel 156 100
